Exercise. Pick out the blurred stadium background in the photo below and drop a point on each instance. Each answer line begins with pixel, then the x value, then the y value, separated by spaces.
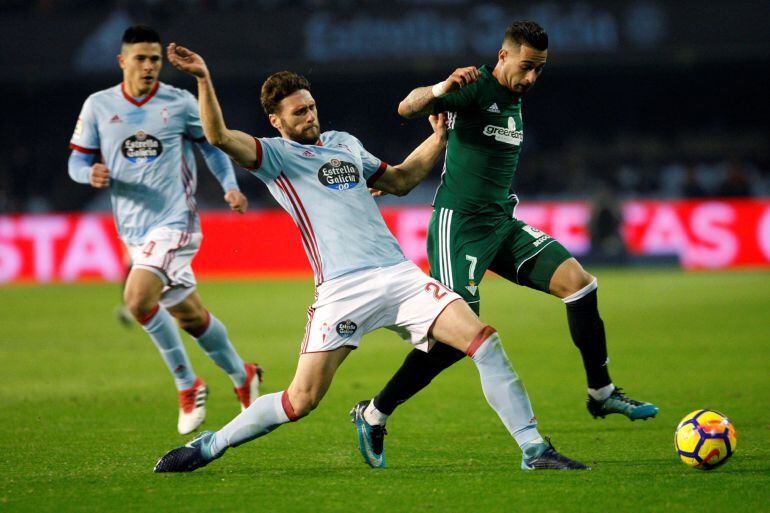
pixel 647 137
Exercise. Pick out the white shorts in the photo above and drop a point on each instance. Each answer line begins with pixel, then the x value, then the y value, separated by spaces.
pixel 168 254
pixel 400 297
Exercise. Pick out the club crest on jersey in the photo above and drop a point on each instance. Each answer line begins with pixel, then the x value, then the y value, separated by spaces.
pixel 141 148
pixel 505 135
pixel 164 114
pixel 339 175
pixel 346 328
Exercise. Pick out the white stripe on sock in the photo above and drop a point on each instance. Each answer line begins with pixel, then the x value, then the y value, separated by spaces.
pixel 580 294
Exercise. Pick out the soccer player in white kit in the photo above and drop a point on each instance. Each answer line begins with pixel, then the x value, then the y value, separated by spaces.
pixel 363 281
pixel 136 140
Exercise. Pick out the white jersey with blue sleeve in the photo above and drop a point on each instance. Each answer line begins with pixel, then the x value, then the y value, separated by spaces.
pixel 324 189
pixel 147 146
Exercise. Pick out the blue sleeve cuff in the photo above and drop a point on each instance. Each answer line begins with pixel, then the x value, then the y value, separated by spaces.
pixel 220 166
pixel 79 166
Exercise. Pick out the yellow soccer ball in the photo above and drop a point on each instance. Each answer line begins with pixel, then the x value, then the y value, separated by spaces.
pixel 705 439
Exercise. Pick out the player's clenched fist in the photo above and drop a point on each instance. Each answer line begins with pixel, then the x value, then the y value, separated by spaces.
pixel 459 78
pixel 186 60
pixel 236 200
pixel 100 176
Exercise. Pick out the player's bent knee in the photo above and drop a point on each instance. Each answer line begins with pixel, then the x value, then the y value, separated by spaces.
pixel 456 325
pixel 140 305
pixel 583 280
pixel 193 323
pixel 298 405
pixel 481 337
pixel 569 278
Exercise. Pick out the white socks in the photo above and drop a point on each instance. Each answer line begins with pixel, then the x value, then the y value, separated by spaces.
pixel 373 416
pixel 502 387
pixel 264 415
pixel 217 346
pixel 163 331
pixel 601 394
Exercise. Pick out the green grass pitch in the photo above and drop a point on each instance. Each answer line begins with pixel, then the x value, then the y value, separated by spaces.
pixel 87 406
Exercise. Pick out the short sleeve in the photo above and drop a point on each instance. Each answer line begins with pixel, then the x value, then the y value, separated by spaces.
pixel 269 163
pixel 193 127
pixel 373 167
pixel 85 138
pixel 460 100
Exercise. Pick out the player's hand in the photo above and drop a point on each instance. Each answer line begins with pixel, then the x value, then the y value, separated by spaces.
pixel 376 193
pixel 100 176
pixel 439 124
pixel 186 60
pixel 460 78
pixel 237 201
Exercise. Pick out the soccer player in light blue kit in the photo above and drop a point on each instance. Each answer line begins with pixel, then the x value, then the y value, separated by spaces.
pixel 144 131
pixel 363 281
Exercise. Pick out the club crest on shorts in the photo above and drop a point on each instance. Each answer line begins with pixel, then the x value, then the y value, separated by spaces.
pixel 338 174
pixel 346 328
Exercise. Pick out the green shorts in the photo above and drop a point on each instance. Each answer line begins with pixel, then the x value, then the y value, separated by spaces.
pixel 462 247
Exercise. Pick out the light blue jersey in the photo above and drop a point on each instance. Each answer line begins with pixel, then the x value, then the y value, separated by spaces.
pixel 324 188
pixel 147 146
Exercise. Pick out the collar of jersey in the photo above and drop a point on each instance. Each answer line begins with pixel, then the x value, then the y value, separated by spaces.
pixel 144 100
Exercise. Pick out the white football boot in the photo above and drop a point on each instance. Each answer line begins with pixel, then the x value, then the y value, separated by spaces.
pixel 249 391
pixel 192 407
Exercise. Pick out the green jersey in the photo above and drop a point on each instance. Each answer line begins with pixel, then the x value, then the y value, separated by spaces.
pixel 484 141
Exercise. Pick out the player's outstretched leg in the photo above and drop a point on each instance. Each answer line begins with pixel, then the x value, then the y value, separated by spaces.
pixel 264 415
pixel 578 290
pixel 459 327
pixel 268 412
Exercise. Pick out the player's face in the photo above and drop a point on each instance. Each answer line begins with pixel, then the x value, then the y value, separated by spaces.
pixel 297 118
pixel 141 63
pixel 520 66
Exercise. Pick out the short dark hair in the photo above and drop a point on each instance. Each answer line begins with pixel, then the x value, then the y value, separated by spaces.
pixel 140 34
pixel 278 86
pixel 527 32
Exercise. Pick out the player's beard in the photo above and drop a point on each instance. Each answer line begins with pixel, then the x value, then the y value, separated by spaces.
pixel 309 135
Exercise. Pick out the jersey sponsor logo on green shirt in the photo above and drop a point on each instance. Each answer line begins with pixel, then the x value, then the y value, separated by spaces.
pixel 505 135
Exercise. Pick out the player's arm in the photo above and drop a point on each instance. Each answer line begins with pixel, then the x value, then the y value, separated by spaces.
pixel 222 169
pixel 421 101
pixel 84 164
pixel 238 145
pixel 83 168
pixel 404 177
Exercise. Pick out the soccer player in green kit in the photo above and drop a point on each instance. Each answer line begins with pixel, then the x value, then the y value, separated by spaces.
pixel 473 227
